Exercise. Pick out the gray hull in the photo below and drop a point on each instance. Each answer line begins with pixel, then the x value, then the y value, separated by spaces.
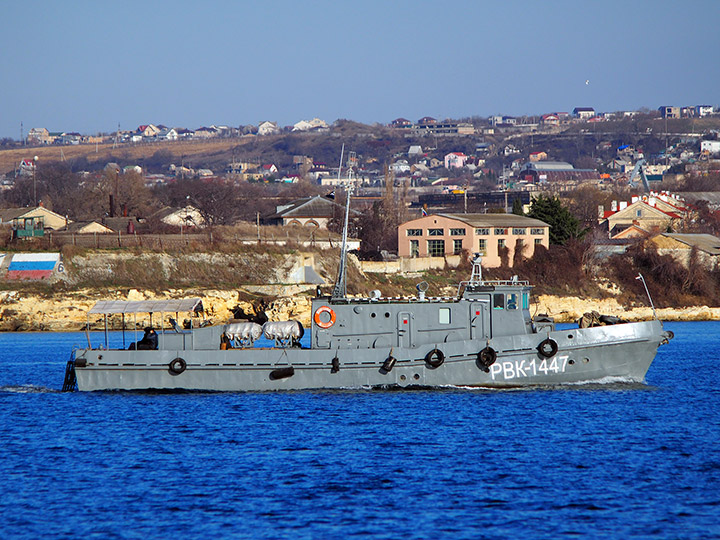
pixel 621 351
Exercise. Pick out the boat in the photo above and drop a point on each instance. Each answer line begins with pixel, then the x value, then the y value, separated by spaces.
pixel 483 336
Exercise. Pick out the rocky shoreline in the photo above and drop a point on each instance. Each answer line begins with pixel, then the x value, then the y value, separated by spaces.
pixel 68 312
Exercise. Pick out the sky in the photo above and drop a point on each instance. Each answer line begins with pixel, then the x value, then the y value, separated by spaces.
pixel 88 66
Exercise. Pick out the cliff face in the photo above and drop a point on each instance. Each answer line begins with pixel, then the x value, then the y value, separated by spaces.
pixel 68 311
pixel 278 291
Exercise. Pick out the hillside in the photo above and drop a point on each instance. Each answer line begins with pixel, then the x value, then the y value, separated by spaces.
pixel 268 281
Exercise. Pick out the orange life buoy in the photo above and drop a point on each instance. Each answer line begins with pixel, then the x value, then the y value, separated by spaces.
pixel 319 322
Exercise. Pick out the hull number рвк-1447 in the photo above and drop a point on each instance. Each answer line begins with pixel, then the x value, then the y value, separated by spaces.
pixel 523 368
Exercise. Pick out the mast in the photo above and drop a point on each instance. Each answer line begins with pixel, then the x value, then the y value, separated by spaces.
pixel 340 289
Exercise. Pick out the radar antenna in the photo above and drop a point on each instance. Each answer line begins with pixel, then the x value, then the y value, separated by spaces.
pixel 476 276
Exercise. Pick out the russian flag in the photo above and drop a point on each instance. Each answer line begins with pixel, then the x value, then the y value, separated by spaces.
pixel 32 265
pixel 424 212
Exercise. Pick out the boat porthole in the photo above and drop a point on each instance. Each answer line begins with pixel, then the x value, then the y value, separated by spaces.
pixel 570 336
pixel 586 360
pixel 571 361
pixel 403 377
pixel 99 356
pixel 373 315
pixel 387 315
pixel 416 377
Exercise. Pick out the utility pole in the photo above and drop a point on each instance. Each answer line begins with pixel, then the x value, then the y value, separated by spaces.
pixel 35 160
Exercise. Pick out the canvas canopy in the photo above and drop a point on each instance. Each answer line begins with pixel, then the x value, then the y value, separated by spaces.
pixel 148 306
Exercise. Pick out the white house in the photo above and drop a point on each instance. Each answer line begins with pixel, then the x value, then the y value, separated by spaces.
pixel 415 150
pixel 400 166
pixel 268 128
pixel 711 147
pixel 168 134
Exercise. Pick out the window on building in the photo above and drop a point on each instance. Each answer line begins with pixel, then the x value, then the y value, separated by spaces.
pixel 457 246
pixel 414 232
pixel 536 231
pixel 519 231
pixel 414 248
pixel 436 232
pixel 498 301
pixel 482 246
pixel 501 243
pixel 638 213
pixel 457 232
pixel 444 315
pixel 436 248
pixel 538 241
pixel 500 232
pixel 482 232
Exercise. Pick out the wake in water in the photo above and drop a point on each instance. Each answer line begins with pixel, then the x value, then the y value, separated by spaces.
pixel 606 383
pixel 28 389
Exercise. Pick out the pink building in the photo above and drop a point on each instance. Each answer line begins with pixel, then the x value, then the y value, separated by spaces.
pixel 455 160
pixel 438 235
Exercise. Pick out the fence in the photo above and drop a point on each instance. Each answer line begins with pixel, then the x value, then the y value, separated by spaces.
pixel 54 240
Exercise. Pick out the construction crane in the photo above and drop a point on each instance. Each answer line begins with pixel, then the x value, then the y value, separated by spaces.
pixel 639 171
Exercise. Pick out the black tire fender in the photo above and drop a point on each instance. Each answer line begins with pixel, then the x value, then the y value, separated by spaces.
pixel 486 358
pixel 177 366
pixel 435 358
pixel 548 348
pixel 388 364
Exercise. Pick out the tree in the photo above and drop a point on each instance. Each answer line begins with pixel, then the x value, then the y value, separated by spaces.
pixel 517 207
pixel 216 200
pixel 563 225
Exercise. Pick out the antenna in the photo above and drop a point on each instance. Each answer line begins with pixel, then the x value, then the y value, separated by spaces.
pixel 340 290
pixel 22 139
pixel 340 166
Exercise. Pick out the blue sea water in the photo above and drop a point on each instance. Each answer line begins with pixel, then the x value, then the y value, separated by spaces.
pixel 594 461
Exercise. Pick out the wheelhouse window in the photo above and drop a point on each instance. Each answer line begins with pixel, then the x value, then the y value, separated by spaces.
pixel 444 315
pixel 482 232
pixel 519 231
pixel 414 232
pixel 436 248
pixel 436 232
pixel 512 301
pixel 500 232
pixel 498 301
pixel 457 232
pixel 526 301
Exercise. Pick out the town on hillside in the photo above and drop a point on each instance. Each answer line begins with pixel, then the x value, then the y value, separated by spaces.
pixel 420 189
